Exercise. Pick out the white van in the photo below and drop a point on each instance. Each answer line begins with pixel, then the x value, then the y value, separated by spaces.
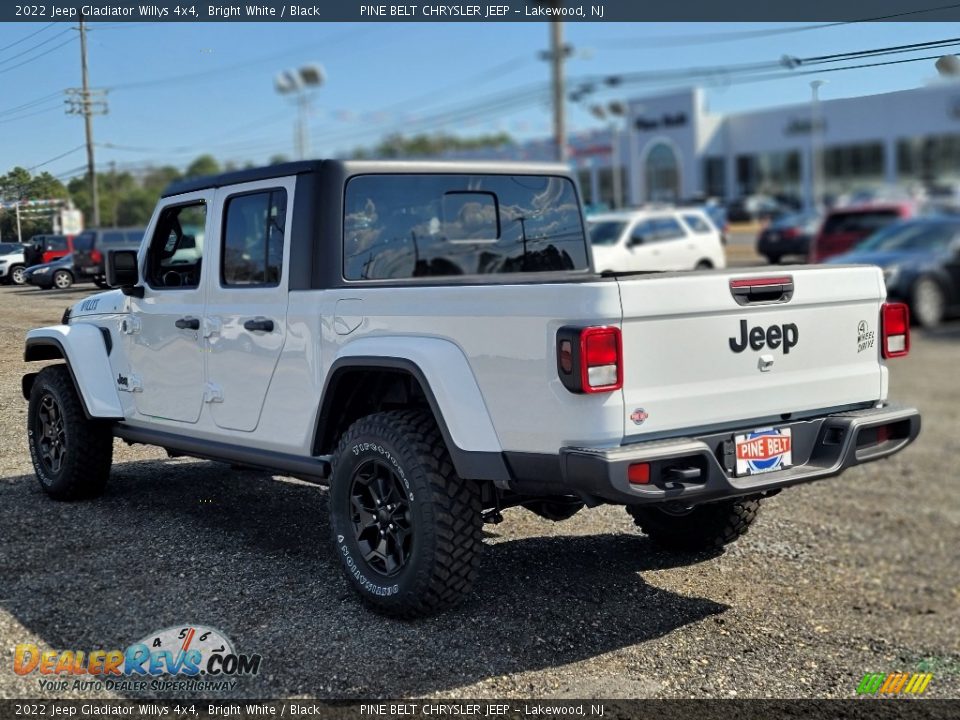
pixel 683 239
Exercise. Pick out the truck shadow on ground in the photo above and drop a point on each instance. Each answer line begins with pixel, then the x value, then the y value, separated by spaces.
pixel 182 542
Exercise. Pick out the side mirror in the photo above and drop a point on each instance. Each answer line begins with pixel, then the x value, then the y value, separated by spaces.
pixel 122 271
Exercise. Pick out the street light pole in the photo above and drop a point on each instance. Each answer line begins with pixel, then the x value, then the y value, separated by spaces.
pixel 816 150
pixel 301 83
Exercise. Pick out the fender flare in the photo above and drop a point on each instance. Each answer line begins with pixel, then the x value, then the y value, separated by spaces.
pixel 84 348
pixel 451 389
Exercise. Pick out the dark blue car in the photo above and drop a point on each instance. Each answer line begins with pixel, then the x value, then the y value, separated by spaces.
pixel 57 274
pixel 921 265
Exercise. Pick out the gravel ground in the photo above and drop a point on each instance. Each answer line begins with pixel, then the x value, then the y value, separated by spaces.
pixel 852 575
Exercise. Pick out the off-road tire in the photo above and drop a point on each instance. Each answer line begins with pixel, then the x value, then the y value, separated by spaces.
pixel 87 445
pixel 704 527
pixel 703 265
pixel 442 513
pixel 773 259
pixel 100 283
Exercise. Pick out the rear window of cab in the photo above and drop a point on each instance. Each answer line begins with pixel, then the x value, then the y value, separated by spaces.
pixel 411 226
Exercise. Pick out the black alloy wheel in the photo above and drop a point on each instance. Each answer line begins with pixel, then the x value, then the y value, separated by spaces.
pixel 380 515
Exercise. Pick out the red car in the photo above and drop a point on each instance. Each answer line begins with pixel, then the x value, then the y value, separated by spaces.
pixel 42 249
pixel 843 228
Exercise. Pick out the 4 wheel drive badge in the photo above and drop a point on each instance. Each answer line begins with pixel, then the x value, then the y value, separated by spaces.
pixel 638 416
pixel 865 336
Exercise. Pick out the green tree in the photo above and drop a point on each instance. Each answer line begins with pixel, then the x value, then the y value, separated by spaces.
pixel 19 185
pixel 203 165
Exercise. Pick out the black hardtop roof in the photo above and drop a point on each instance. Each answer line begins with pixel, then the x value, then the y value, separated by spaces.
pixel 356 167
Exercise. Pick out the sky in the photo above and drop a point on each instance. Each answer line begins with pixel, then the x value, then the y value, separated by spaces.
pixel 177 90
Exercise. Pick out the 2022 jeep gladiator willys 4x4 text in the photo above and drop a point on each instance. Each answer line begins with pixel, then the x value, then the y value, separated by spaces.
pixel 431 341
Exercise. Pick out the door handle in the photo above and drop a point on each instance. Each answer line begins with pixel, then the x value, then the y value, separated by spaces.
pixel 188 323
pixel 259 325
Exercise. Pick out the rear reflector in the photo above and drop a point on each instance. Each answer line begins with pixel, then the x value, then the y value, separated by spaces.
pixel 894 330
pixel 639 473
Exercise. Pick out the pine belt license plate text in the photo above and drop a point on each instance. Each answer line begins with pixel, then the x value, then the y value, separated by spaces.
pixel 763 451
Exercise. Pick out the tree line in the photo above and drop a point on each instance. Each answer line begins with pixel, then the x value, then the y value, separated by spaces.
pixel 127 199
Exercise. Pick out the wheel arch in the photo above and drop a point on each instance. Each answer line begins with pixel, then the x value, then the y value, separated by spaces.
pixel 84 350
pixel 453 398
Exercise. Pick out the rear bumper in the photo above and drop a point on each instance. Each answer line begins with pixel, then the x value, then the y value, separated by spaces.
pixel 700 469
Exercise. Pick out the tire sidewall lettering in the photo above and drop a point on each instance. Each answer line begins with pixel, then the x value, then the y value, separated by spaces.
pixel 356 568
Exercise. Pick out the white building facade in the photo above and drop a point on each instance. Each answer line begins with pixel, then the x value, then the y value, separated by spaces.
pixel 672 147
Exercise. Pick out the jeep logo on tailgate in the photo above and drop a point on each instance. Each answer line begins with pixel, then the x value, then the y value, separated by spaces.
pixel 773 337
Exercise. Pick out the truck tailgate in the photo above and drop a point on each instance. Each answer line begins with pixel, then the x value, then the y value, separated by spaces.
pixel 694 357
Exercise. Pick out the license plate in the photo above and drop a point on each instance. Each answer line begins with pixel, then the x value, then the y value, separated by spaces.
pixel 88 270
pixel 761 451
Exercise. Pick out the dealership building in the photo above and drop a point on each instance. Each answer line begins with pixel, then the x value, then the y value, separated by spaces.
pixel 671 146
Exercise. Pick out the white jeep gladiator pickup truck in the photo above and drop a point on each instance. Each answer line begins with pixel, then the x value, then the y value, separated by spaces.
pixel 431 341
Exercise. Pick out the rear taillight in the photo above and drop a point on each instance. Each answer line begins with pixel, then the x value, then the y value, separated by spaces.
pixel 96 256
pixel 894 330
pixel 590 360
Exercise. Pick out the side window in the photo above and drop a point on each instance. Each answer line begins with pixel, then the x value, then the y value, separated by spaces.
pixel 57 243
pixel 643 232
pixel 253 229
pixel 696 223
pixel 667 228
pixel 176 249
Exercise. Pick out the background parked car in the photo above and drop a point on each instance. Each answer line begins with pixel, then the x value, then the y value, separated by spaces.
pixel 844 227
pixel 753 207
pixel 788 235
pixel 57 274
pixel 921 265
pixel 12 263
pixel 42 249
pixel 90 246
pixel 648 240
pixel 713 210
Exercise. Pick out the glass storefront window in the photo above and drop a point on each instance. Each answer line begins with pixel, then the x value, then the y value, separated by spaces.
pixel 931 159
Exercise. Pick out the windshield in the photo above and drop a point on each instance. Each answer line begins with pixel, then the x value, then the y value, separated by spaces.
pixel 9 248
pixel 911 237
pixel 605 232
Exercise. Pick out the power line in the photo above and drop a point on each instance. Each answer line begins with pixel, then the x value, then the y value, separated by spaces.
pixel 946 42
pixel 27 37
pixel 54 159
pixel 30 49
pixel 54 108
pixel 216 72
pixel 37 57
pixel 734 35
pixel 30 103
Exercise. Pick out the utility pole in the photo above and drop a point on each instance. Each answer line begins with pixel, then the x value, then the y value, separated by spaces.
pixel 557 54
pixel 87 102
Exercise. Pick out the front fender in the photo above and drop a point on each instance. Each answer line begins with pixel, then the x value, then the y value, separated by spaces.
pixel 84 349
